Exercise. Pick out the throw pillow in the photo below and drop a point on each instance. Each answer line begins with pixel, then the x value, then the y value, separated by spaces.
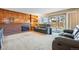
pixel 76 36
pixel 76 30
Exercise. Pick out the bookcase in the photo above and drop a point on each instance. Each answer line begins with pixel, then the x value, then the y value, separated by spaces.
pixel 34 21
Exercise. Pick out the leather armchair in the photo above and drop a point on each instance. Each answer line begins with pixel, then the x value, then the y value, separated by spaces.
pixel 65 43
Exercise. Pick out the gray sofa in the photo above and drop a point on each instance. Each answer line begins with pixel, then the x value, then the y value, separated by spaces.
pixel 65 42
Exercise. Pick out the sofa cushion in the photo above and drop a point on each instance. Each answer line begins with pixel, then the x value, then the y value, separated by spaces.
pixel 68 31
pixel 68 35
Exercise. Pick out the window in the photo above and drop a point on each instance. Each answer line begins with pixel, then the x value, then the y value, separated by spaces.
pixel 58 22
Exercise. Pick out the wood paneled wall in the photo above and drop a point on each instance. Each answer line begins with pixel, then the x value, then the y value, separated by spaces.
pixel 18 17
pixel 17 22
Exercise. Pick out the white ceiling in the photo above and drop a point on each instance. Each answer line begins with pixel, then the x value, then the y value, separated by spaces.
pixel 36 11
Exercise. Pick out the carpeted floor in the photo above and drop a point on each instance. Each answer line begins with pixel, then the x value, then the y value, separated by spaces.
pixel 28 41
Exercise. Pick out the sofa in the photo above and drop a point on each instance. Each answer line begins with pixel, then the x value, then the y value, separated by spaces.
pixel 65 41
pixel 43 28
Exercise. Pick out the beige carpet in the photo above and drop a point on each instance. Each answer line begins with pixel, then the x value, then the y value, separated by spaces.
pixel 28 41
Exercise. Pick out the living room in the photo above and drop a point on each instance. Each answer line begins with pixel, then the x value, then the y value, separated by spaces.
pixel 37 28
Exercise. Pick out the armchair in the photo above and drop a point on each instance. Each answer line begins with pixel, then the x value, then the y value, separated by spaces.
pixel 61 43
pixel 65 41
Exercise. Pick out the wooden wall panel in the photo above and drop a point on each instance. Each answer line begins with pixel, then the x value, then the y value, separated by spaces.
pixel 1 16
pixel 16 15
